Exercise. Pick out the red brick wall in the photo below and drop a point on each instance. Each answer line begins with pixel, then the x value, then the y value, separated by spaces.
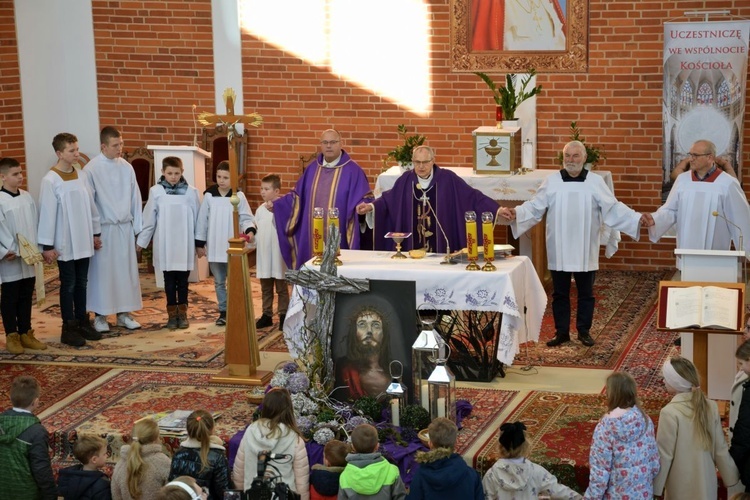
pixel 11 120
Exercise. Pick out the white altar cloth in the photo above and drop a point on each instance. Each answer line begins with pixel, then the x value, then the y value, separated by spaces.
pixel 510 290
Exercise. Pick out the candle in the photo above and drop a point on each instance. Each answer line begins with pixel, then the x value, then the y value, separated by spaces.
pixel 441 407
pixel 318 235
pixel 488 239
pixel 395 413
pixel 425 396
pixel 471 235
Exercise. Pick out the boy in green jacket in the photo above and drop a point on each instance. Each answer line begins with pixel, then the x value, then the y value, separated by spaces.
pixel 367 473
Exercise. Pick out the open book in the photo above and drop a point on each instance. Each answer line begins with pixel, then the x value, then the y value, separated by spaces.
pixel 174 423
pixel 702 307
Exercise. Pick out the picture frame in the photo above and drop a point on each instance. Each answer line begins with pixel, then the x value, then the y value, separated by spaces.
pixel 554 38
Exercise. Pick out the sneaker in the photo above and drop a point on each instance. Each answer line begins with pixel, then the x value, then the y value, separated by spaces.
pixel 222 319
pixel 100 324
pixel 127 321
pixel 30 342
pixel 264 321
pixel 13 343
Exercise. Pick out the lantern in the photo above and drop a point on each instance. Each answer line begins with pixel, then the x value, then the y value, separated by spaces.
pixel 396 393
pixel 423 355
pixel 442 388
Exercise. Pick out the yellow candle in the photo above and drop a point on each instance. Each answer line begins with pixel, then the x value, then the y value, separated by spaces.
pixel 488 238
pixel 471 239
pixel 318 235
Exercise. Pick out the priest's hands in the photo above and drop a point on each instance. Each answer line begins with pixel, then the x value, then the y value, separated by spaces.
pixel 97 242
pixel 50 256
pixel 364 208
pixel 647 220
pixel 508 213
pixel 200 251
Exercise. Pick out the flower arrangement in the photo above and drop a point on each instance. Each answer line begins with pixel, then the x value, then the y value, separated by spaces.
pixel 593 154
pixel 509 97
pixel 402 153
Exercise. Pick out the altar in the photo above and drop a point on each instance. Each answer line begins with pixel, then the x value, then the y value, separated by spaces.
pixel 514 290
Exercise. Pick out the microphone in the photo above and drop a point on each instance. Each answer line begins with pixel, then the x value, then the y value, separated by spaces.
pixel 267 456
pixel 448 258
pixel 195 127
pixel 715 213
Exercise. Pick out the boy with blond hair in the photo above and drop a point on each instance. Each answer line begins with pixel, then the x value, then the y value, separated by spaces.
pixel 86 481
pixel 367 474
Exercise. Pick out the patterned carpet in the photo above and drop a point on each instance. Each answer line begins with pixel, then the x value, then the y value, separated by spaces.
pixel 623 298
pixel 488 404
pixel 560 426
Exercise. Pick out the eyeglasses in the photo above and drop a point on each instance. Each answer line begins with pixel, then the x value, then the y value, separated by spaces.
pixel 426 162
pixel 697 155
pixel 328 143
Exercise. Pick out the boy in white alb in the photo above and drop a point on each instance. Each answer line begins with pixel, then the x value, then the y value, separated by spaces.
pixel 69 233
pixel 18 216
pixel 270 266
pixel 169 217
pixel 214 228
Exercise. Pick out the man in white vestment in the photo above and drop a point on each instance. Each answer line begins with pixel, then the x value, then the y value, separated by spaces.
pixel 577 204
pixel 114 286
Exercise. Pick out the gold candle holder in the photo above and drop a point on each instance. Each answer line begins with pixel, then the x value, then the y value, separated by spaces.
pixel 317 236
pixel 333 218
pixel 472 251
pixel 488 240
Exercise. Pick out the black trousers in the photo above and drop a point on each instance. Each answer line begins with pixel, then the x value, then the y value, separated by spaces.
pixel 74 277
pixel 176 287
pixel 15 305
pixel 561 300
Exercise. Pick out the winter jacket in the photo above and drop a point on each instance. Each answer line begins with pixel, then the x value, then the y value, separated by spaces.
pixel 187 462
pixel 624 459
pixel 74 483
pixel 740 444
pixel 521 479
pixel 369 475
pixel 154 477
pixel 295 471
pixel 24 458
pixel 324 482
pixel 444 474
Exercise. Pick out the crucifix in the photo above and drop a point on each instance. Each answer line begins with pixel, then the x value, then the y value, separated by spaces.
pixel 316 335
pixel 241 354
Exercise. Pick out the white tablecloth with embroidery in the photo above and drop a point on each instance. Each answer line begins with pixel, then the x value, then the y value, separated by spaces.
pixel 510 290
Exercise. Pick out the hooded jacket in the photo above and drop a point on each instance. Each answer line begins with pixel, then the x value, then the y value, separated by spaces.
pixel 24 458
pixel 521 479
pixel 369 475
pixel 187 462
pixel 444 474
pixel 324 482
pixel 74 483
pixel 624 459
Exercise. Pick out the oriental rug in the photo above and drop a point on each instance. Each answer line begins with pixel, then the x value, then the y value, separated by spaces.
pixel 623 300
pixel 560 426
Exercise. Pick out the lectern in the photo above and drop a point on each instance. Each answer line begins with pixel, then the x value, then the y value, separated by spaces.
pixel 724 266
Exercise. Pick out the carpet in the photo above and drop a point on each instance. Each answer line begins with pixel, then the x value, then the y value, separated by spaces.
pixel 560 426
pixel 623 298
pixel 487 406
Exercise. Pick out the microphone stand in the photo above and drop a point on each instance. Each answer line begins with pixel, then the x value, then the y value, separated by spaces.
pixel 448 257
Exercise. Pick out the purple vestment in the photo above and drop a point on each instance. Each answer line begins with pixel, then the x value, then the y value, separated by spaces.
pixel 344 187
pixel 450 198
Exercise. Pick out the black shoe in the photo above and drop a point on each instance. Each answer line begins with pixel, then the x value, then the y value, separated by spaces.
pixel 71 334
pixel 87 330
pixel 586 339
pixel 282 317
pixel 264 321
pixel 559 339
pixel 222 319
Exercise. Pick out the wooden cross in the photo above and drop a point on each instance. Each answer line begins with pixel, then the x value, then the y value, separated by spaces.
pixel 317 358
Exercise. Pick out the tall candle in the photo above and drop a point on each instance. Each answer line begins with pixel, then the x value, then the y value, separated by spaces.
pixel 488 238
pixel 471 239
pixel 425 396
pixel 395 416
pixel 441 407
pixel 318 235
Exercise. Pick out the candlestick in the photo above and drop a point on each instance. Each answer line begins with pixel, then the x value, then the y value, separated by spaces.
pixel 317 237
pixel 333 218
pixel 471 241
pixel 395 416
pixel 488 239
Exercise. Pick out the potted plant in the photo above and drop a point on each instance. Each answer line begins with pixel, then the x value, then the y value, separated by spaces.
pixel 402 153
pixel 509 97
pixel 593 153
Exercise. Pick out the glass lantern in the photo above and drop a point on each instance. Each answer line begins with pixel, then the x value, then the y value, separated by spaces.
pixel 442 388
pixel 423 355
pixel 396 393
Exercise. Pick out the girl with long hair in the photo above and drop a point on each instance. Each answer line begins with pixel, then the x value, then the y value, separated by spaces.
pixel 690 439
pixel 202 456
pixel 143 467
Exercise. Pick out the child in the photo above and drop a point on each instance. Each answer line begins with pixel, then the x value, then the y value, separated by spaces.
pixel 739 415
pixel 143 468
pixel 215 227
pixel 514 476
pixel 442 472
pixel 691 442
pixel 169 216
pixel 276 432
pixel 24 446
pixel 624 459
pixel 19 217
pixel 69 233
pixel 367 473
pixel 202 456
pixel 182 488
pixel 86 481
pixel 270 266
pixel 324 479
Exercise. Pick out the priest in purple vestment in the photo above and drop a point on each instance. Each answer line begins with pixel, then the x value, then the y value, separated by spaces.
pixel 423 201
pixel 333 179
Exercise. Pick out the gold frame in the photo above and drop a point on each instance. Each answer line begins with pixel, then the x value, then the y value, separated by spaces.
pixel 572 60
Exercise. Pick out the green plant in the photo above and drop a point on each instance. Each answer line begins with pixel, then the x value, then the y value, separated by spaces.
pixel 415 417
pixel 369 407
pixel 593 154
pixel 509 97
pixel 326 415
pixel 402 154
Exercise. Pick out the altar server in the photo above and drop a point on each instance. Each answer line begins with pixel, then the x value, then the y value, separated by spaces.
pixel 577 203
pixel 169 217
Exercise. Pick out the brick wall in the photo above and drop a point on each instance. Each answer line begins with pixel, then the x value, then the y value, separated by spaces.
pixel 11 120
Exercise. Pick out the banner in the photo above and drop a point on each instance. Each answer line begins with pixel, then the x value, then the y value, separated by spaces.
pixel 705 74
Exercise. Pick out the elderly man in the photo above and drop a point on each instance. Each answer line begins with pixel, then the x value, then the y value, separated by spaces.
pixel 426 202
pixel 577 203
pixel 332 179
